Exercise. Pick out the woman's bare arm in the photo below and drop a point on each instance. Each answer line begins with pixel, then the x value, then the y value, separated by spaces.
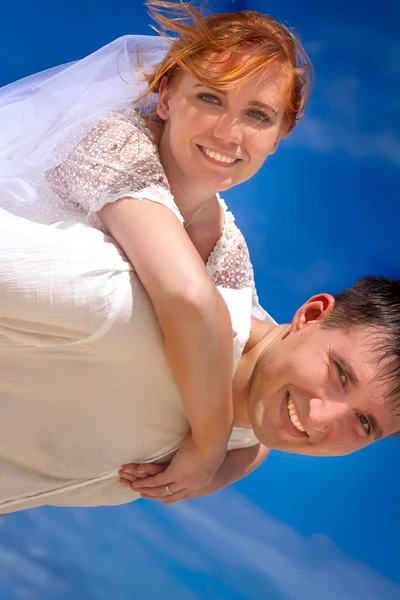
pixel 196 326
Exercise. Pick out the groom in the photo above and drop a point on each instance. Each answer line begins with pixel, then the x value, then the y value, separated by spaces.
pixel 326 385
pixel 86 380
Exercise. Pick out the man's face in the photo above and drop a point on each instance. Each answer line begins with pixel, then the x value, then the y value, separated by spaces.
pixel 319 391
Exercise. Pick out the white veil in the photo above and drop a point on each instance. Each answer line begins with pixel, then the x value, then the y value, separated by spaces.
pixel 43 116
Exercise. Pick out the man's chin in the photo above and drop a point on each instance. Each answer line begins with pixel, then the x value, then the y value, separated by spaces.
pixel 274 438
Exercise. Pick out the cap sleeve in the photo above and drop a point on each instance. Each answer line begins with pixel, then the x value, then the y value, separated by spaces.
pixel 117 159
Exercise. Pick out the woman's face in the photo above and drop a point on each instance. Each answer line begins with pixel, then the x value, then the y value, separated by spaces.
pixel 217 139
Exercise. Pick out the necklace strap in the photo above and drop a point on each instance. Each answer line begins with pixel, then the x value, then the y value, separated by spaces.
pixel 198 211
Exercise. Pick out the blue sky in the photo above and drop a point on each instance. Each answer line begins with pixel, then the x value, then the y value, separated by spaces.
pixel 323 211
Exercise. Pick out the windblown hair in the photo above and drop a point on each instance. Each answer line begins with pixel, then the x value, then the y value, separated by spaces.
pixel 261 39
pixel 374 302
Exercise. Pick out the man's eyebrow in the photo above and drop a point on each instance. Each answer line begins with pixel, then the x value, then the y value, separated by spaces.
pixel 353 378
pixel 348 369
pixel 251 103
pixel 376 428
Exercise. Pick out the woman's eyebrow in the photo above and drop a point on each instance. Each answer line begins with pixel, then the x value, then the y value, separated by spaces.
pixel 251 103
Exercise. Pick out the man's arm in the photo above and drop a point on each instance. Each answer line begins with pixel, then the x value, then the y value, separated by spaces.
pixel 237 464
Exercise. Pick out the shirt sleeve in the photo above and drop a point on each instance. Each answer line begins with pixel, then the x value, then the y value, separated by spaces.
pixel 117 159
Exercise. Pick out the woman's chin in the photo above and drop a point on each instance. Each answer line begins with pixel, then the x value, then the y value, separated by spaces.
pixel 212 181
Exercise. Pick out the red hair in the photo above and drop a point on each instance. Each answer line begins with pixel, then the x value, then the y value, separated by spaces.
pixel 264 41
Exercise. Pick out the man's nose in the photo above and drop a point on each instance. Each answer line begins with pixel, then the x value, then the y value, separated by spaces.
pixel 229 128
pixel 325 412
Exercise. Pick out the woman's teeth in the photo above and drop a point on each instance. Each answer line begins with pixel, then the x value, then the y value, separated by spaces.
pixel 293 415
pixel 217 156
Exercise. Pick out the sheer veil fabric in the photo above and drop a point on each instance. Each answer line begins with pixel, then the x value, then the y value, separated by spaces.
pixel 42 117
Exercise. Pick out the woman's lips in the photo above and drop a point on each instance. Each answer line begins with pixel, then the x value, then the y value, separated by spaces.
pixel 286 423
pixel 217 162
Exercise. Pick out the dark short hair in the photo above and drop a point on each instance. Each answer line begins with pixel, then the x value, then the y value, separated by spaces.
pixel 374 302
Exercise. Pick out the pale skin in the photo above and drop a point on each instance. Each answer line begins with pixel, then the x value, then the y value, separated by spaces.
pixel 188 306
pixel 302 388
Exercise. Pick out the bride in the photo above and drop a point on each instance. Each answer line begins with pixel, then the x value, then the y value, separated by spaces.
pixel 138 139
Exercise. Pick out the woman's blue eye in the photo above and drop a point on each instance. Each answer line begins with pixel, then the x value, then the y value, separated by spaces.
pixel 258 115
pixel 365 423
pixel 209 98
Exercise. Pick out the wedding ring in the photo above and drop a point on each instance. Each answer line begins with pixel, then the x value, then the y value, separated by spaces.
pixel 169 490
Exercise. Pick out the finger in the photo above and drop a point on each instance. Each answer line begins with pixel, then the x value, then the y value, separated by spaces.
pixel 153 481
pixel 182 495
pixel 143 469
pixel 131 468
pixel 128 476
pixel 160 492
pixel 132 476
pixel 125 482
pixel 169 499
pixel 150 468
pixel 147 497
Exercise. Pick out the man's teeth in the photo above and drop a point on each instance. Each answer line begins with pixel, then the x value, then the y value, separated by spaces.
pixel 293 415
pixel 217 156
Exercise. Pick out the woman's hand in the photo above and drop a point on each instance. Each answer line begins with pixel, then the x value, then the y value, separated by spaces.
pixel 189 472
pixel 236 465
pixel 128 474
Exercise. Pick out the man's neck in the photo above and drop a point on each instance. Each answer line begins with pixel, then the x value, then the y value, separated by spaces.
pixel 262 337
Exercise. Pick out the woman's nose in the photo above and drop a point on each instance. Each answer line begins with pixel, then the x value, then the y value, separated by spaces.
pixel 323 413
pixel 229 128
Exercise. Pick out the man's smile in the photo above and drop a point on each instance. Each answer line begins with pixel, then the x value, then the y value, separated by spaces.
pixel 294 417
pixel 289 418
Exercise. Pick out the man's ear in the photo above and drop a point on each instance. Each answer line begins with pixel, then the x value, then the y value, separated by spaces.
pixel 316 309
pixel 163 98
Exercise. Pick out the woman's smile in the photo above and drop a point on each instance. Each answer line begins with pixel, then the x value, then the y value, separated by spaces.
pixel 220 159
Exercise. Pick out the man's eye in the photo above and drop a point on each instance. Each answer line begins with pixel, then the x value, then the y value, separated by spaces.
pixel 342 374
pixel 365 423
pixel 258 115
pixel 209 98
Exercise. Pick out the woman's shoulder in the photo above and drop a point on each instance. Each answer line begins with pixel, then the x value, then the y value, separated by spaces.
pixel 118 158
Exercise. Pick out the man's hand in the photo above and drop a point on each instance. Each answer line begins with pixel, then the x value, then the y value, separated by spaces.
pixel 189 472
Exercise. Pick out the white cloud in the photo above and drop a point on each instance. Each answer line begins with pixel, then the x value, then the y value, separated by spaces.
pixel 299 567
pixel 226 540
